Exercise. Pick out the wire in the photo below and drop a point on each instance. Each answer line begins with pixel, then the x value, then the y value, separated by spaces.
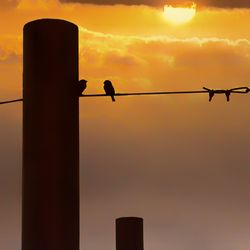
pixel 17 100
pixel 227 92
pixel 211 92
pixel 148 93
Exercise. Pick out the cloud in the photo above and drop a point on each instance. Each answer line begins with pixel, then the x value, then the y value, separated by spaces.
pixel 10 49
pixel 157 3
pixel 216 3
pixel 44 5
pixel 9 58
pixel 8 3
pixel 173 59
pixel 113 2
pixel 228 3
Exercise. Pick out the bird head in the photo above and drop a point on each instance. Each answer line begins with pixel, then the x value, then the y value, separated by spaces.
pixel 83 81
pixel 107 82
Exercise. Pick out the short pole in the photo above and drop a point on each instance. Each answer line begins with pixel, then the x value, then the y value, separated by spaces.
pixel 129 233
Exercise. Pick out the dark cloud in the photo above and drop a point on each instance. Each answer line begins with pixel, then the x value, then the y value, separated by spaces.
pixel 211 3
pixel 227 3
pixel 113 2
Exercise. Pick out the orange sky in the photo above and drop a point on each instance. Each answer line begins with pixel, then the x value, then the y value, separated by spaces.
pixel 116 39
pixel 188 156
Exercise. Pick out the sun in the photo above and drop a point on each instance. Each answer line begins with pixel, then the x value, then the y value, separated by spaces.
pixel 179 15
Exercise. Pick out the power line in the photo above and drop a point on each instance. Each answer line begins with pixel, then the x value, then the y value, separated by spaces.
pixel 149 93
pixel 9 101
pixel 210 92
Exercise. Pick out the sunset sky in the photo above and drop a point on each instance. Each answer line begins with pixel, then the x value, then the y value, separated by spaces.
pixel 179 162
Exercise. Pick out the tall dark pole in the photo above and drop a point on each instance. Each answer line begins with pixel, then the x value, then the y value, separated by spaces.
pixel 129 233
pixel 50 208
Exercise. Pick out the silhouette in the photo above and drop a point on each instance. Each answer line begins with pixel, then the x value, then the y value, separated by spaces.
pixel 129 233
pixel 211 93
pixel 109 89
pixel 228 93
pixel 51 136
pixel 82 85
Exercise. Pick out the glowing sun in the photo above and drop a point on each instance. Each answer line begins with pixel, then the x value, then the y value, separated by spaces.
pixel 179 15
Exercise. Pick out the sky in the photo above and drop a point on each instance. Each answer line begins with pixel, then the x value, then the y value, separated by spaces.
pixel 179 162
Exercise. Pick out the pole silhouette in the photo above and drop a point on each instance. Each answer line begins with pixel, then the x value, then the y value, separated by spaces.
pixel 129 233
pixel 50 204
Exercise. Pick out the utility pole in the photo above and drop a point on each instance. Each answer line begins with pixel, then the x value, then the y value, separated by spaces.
pixel 50 205
pixel 129 233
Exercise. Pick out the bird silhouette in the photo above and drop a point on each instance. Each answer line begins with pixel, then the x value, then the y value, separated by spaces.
pixel 109 89
pixel 82 85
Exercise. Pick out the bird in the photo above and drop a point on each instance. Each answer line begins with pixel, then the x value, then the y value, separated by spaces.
pixel 109 89
pixel 82 85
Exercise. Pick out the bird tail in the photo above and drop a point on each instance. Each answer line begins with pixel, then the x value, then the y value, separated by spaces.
pixel 113 98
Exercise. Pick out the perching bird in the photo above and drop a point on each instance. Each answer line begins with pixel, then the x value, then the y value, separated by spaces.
pixel 82 85
pixel 109 89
